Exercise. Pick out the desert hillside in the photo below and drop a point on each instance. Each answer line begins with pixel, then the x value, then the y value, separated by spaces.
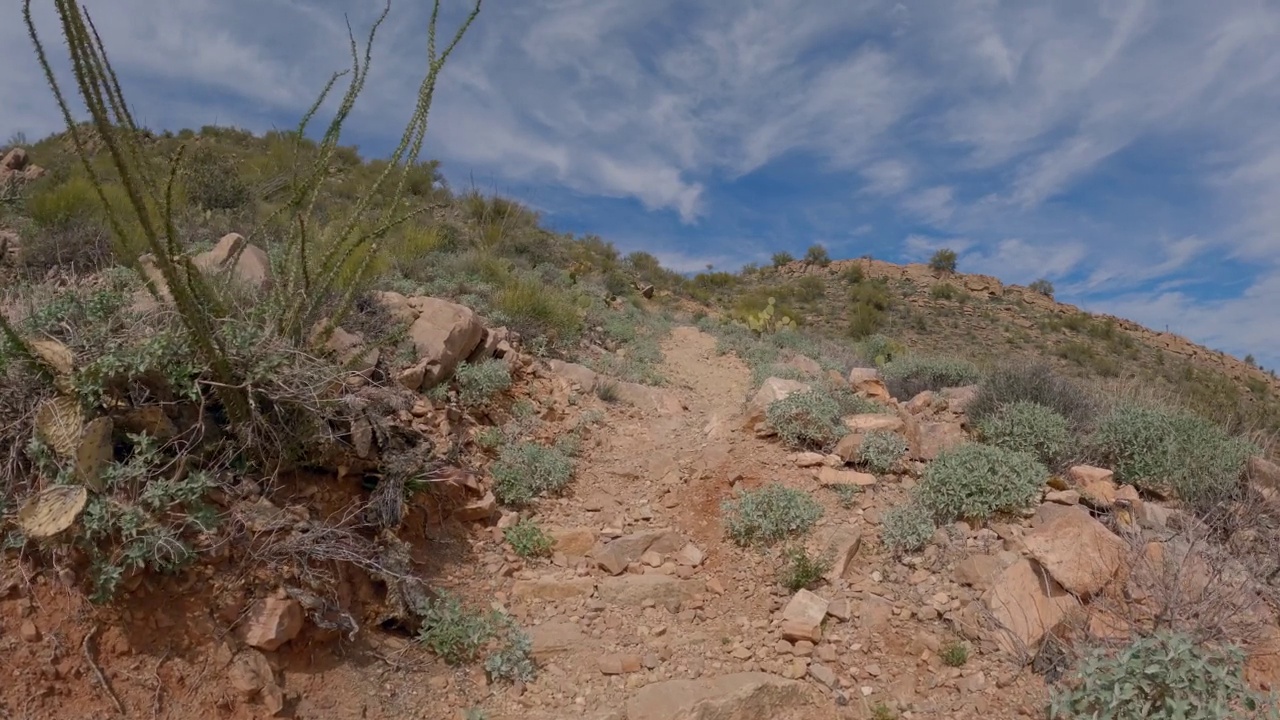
pixel 291 432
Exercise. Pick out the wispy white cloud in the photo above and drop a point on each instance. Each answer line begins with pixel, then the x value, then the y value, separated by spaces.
pixel 1108 144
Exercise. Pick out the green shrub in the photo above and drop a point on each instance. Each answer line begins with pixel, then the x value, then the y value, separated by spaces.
pixel 817 255
pixel 527 470
pixel 849 402
pixel 479 382
pixel 853 275
pixel 911 375
pixel 807 420
pixel 452 631
pixel 1042 286
pixel 1165 676
pixel 907 528
pixel 943 291
pixel 882 450
pixel 1161 450
pixel 943 260
pixel 1036 383
pixel 527 539
pixel 537 309
pixel 846 492
pixel 458 634
pixel 976 481
pixel 954 654
pixel 213 183
pixel 782 258
pixel 1028 427
pixel 880 349
pixel 802 570
pixel 769 514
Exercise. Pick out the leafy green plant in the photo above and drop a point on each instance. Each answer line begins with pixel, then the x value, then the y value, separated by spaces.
pixel 526 470
pixel 528 539
pixel 807 420
pixel 907 528
pixel 1028 427
pixel 802 570
pixel 817 255
pixel 1042 286
pixel 954 654
pixel 144 517
pixel 513 660
pixel 452 631
pixel 1163 676
pixel 1160 449
pixel 911 375
pixel 782 258
pixel 846 492
pixel 880 711
pixel 882 450
pixel 880 349
pixel 769 514
pixel 944 260
pixel 480 382
pixel 975 481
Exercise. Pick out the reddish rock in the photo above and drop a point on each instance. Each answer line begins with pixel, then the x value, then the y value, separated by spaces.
pixel 1027 602
pixel 802 617
pixel 1078 551
pixel 929 439
pixel 273 622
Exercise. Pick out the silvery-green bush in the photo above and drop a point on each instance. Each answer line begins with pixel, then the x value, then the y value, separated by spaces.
pixel 1163 677
pixel 975 481
pixel 1028 427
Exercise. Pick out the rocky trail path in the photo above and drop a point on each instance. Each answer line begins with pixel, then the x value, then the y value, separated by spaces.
pixel 646 611
pixel 670 620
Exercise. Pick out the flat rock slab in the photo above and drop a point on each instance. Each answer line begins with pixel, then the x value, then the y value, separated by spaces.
pixel 740 696
pixel 635 590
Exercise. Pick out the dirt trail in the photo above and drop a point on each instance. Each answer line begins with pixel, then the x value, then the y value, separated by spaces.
pixel 698 607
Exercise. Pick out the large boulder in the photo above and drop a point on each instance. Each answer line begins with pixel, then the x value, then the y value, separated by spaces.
pixel 1078 551
pixel 928 439
pixel 443 335
pixel 244 262
pixel 868 383
pixel 1027 603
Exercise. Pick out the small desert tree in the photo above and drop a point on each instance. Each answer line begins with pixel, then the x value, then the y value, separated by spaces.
pixel 817 255
pixel 943 260
pixel 1042 286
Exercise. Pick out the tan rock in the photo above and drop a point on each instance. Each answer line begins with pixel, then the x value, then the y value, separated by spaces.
pixel 15 159
pixel 477 510
pixel 865 423
pixel 978 571
pixel 959 399
pixel 1078 551
pixel 553 638
pixel 773 390
pixel 619 664
pixel 868 383
pixel 930 439
pixel 553 589
pixel 842 549
pixel 809 459
pixel 636 590
pixel 648 398
pixel 1063 497
pixel 828 476
pixel 741 696
pixel 250 672
pixel 248 264
pixel 1084 474
pixel 584 377
pixel 443 335
pixel 804 364
pixel 1027 602
pixel 615 555
pixel 272 622
pixel 802 617
pixel 573 542
pixel 691 555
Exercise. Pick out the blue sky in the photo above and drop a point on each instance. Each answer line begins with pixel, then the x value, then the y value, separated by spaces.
pixel 1127 150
